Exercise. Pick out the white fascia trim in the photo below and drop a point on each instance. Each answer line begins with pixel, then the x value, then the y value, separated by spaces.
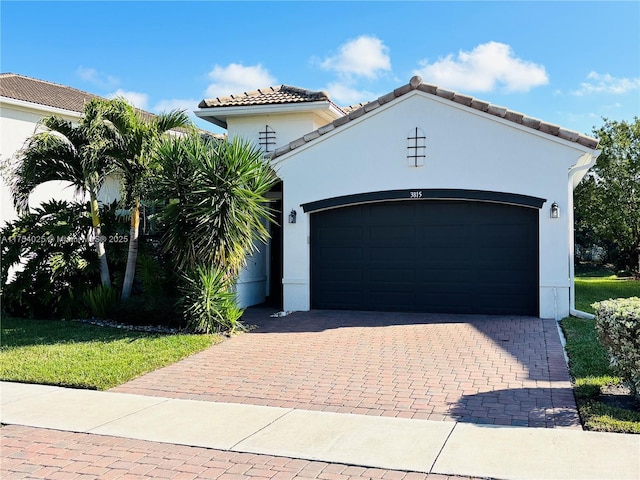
pixel 273 109
pixel 38 106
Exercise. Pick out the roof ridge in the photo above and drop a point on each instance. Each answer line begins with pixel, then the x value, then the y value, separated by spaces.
pixel 416 84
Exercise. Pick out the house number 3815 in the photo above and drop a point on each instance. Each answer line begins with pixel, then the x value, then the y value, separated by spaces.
pixel 416 194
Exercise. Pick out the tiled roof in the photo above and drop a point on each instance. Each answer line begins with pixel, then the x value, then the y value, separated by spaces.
pixel 351 108
pixel 37 91
pixel 267 96
pixel 416 84
pixel 27 89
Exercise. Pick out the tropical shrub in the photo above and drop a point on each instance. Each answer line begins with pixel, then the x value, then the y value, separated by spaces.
pixel 214 211
pixel 54 264
pixel 208 302
pixel 215 206
pixel 618 327
pixel 100 301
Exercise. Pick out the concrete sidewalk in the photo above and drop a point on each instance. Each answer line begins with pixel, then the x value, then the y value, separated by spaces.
pixel 446 448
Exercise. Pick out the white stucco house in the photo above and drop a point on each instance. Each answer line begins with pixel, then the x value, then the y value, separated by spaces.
pixel 422 200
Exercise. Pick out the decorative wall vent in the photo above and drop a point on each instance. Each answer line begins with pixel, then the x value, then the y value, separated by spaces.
pixel 416 147
pixel 267 139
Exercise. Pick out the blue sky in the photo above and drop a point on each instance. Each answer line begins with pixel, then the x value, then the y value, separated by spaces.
pixel 569 63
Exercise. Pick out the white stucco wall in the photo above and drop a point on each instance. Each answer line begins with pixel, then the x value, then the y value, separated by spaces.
pixel 466 149
pixel 18 122
pixel 288 127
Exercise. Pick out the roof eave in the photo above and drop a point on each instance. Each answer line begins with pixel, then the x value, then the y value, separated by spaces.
pixel 39 106
pixel 219 115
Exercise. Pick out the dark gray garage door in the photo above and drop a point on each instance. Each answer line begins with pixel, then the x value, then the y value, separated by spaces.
pixel 426 256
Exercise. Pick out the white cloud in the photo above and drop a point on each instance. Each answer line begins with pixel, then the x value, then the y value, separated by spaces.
pixel 137 99
pixel 236 78
pixel 167 105
pixel 345 95
pixel 99 79
pixel 605 83
pixel 483 68
pixel 366 56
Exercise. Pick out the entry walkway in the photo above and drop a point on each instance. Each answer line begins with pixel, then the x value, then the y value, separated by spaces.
pixel 346 440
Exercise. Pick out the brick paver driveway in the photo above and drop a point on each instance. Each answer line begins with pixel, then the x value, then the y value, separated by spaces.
pixel 482 369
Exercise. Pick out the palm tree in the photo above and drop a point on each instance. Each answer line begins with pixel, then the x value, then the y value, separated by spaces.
pixel 134 135
pixel 71 153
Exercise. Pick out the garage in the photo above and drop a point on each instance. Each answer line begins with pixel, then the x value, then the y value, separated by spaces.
pixel 423 199
pixel 427 255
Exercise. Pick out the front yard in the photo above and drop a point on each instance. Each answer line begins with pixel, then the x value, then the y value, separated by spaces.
pixel 599 393
pixel 74 354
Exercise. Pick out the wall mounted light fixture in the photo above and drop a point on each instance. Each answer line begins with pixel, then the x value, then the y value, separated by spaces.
pixel 292 216
pixel 554 212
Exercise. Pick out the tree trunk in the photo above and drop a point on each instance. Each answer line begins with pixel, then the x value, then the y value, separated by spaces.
pixel 132 256
pixel 99 242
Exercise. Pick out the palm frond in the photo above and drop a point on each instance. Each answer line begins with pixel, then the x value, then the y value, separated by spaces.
pixel 46 157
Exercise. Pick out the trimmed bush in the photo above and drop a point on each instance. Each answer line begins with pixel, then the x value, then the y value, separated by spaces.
pixel 618 327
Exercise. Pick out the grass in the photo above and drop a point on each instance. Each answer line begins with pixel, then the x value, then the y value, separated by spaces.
pixel 589 361
pixel 74 354
pixel 594 289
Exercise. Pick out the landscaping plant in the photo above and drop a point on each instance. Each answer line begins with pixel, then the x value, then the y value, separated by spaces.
pixel 131 139
pixel 53 261
pixel 618 327
pixel 74 153
pixel 208 302
pixel 215 212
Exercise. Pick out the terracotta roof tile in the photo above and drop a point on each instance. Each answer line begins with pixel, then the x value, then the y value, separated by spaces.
pixel 415 83
pixel 19 87
pixel 41 92
pixel 267 96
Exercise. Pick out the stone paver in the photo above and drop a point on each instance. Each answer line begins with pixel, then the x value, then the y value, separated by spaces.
pixel 36 453
pixel 479 369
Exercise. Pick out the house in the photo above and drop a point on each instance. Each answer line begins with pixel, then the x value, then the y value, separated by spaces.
pixel 24 102
pixel 422 200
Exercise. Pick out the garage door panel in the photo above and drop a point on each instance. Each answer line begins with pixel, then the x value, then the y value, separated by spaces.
pixel 432 256
pixel 397 235
pixel 391 255
pixel 341 299
pixel 346 235
pixel 444 236
pixel 392 275
pixel 340 275
pixel 443 276
pixel 341 254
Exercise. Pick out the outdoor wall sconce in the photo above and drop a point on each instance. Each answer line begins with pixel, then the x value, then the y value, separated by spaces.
pixel 555 210
pixel 292 216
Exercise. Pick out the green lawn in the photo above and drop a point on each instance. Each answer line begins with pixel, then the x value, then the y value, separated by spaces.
pixel 74 354
pixel 588 360
pixel 594 289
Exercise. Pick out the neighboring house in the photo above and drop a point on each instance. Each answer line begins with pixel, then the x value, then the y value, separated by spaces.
pixel 422 200
pixel 24 102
